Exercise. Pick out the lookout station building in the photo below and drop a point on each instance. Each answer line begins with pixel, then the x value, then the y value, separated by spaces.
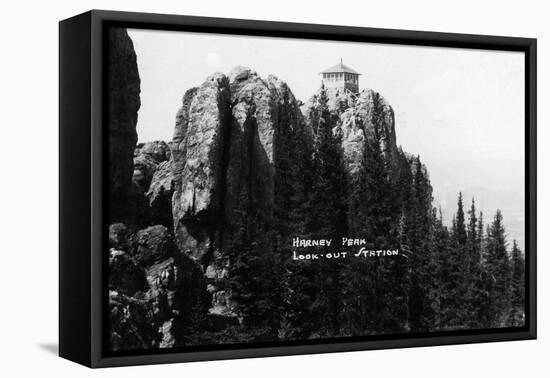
pixel 341 76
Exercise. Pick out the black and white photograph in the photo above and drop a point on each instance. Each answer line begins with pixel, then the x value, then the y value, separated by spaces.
pixel 281 190
pixel 277 189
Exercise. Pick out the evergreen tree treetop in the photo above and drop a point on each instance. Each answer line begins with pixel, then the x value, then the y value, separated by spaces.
pixel 460 227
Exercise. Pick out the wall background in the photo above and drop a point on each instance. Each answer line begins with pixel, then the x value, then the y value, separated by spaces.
pixel 29 186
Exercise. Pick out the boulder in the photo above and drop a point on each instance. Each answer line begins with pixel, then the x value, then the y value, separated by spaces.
pixel 152 245
pixel 240 73
pixel 125 275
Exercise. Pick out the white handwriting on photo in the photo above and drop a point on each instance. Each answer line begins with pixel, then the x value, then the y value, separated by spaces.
pixel 365 249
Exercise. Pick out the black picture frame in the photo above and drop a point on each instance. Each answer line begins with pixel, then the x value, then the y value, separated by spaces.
pixel 82 164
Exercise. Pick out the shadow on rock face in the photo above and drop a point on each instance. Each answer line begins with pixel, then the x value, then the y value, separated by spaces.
pixel 124 103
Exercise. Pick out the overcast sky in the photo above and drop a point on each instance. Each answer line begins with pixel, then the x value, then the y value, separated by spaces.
pixel 461 110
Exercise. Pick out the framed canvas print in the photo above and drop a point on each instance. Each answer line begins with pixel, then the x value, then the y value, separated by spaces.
pixel 234 188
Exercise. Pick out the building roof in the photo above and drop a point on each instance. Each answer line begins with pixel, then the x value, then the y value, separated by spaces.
pixel 340 67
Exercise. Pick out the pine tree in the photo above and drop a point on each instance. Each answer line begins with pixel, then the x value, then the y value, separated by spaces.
pixel 460 231
pixel 357 293
pixel 472 270
pixel 254 271
pixel 455 283
pixel 423 262
pixel 517 289
pixel 293 177
pixel 479 276
pixel 380 285
pixel 376 289
pixel 479 234
pixel 472 238
pixel 327 217
pixel 444 257
pixel 498 269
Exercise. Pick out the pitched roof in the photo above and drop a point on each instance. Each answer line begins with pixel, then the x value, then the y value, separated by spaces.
pixel 340 67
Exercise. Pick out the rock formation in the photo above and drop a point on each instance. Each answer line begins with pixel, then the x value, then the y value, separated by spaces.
pixel 224 144
pixel 160 193
pixel 147 157
pixel 198 146
pixel 223 149
pixel 124 102
pixel 257 108
pixel 178 201
pixel 356 116
pixel 154 289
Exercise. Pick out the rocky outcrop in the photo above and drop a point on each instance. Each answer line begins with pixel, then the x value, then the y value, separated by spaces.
pixel 353 138
pixel 127 276
pixel 124 102
pixel 250 158
pixel 357 116
pixel 118 236
pixel 131 324
pixel 231 135
pixel 198 148
pixel 160 193
pixel 147 157
pixel 149 181
pixel 263 111
pixel 157 150
pixel 224 138
pixel 153 244
pixel 223 152
pixel 154 289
